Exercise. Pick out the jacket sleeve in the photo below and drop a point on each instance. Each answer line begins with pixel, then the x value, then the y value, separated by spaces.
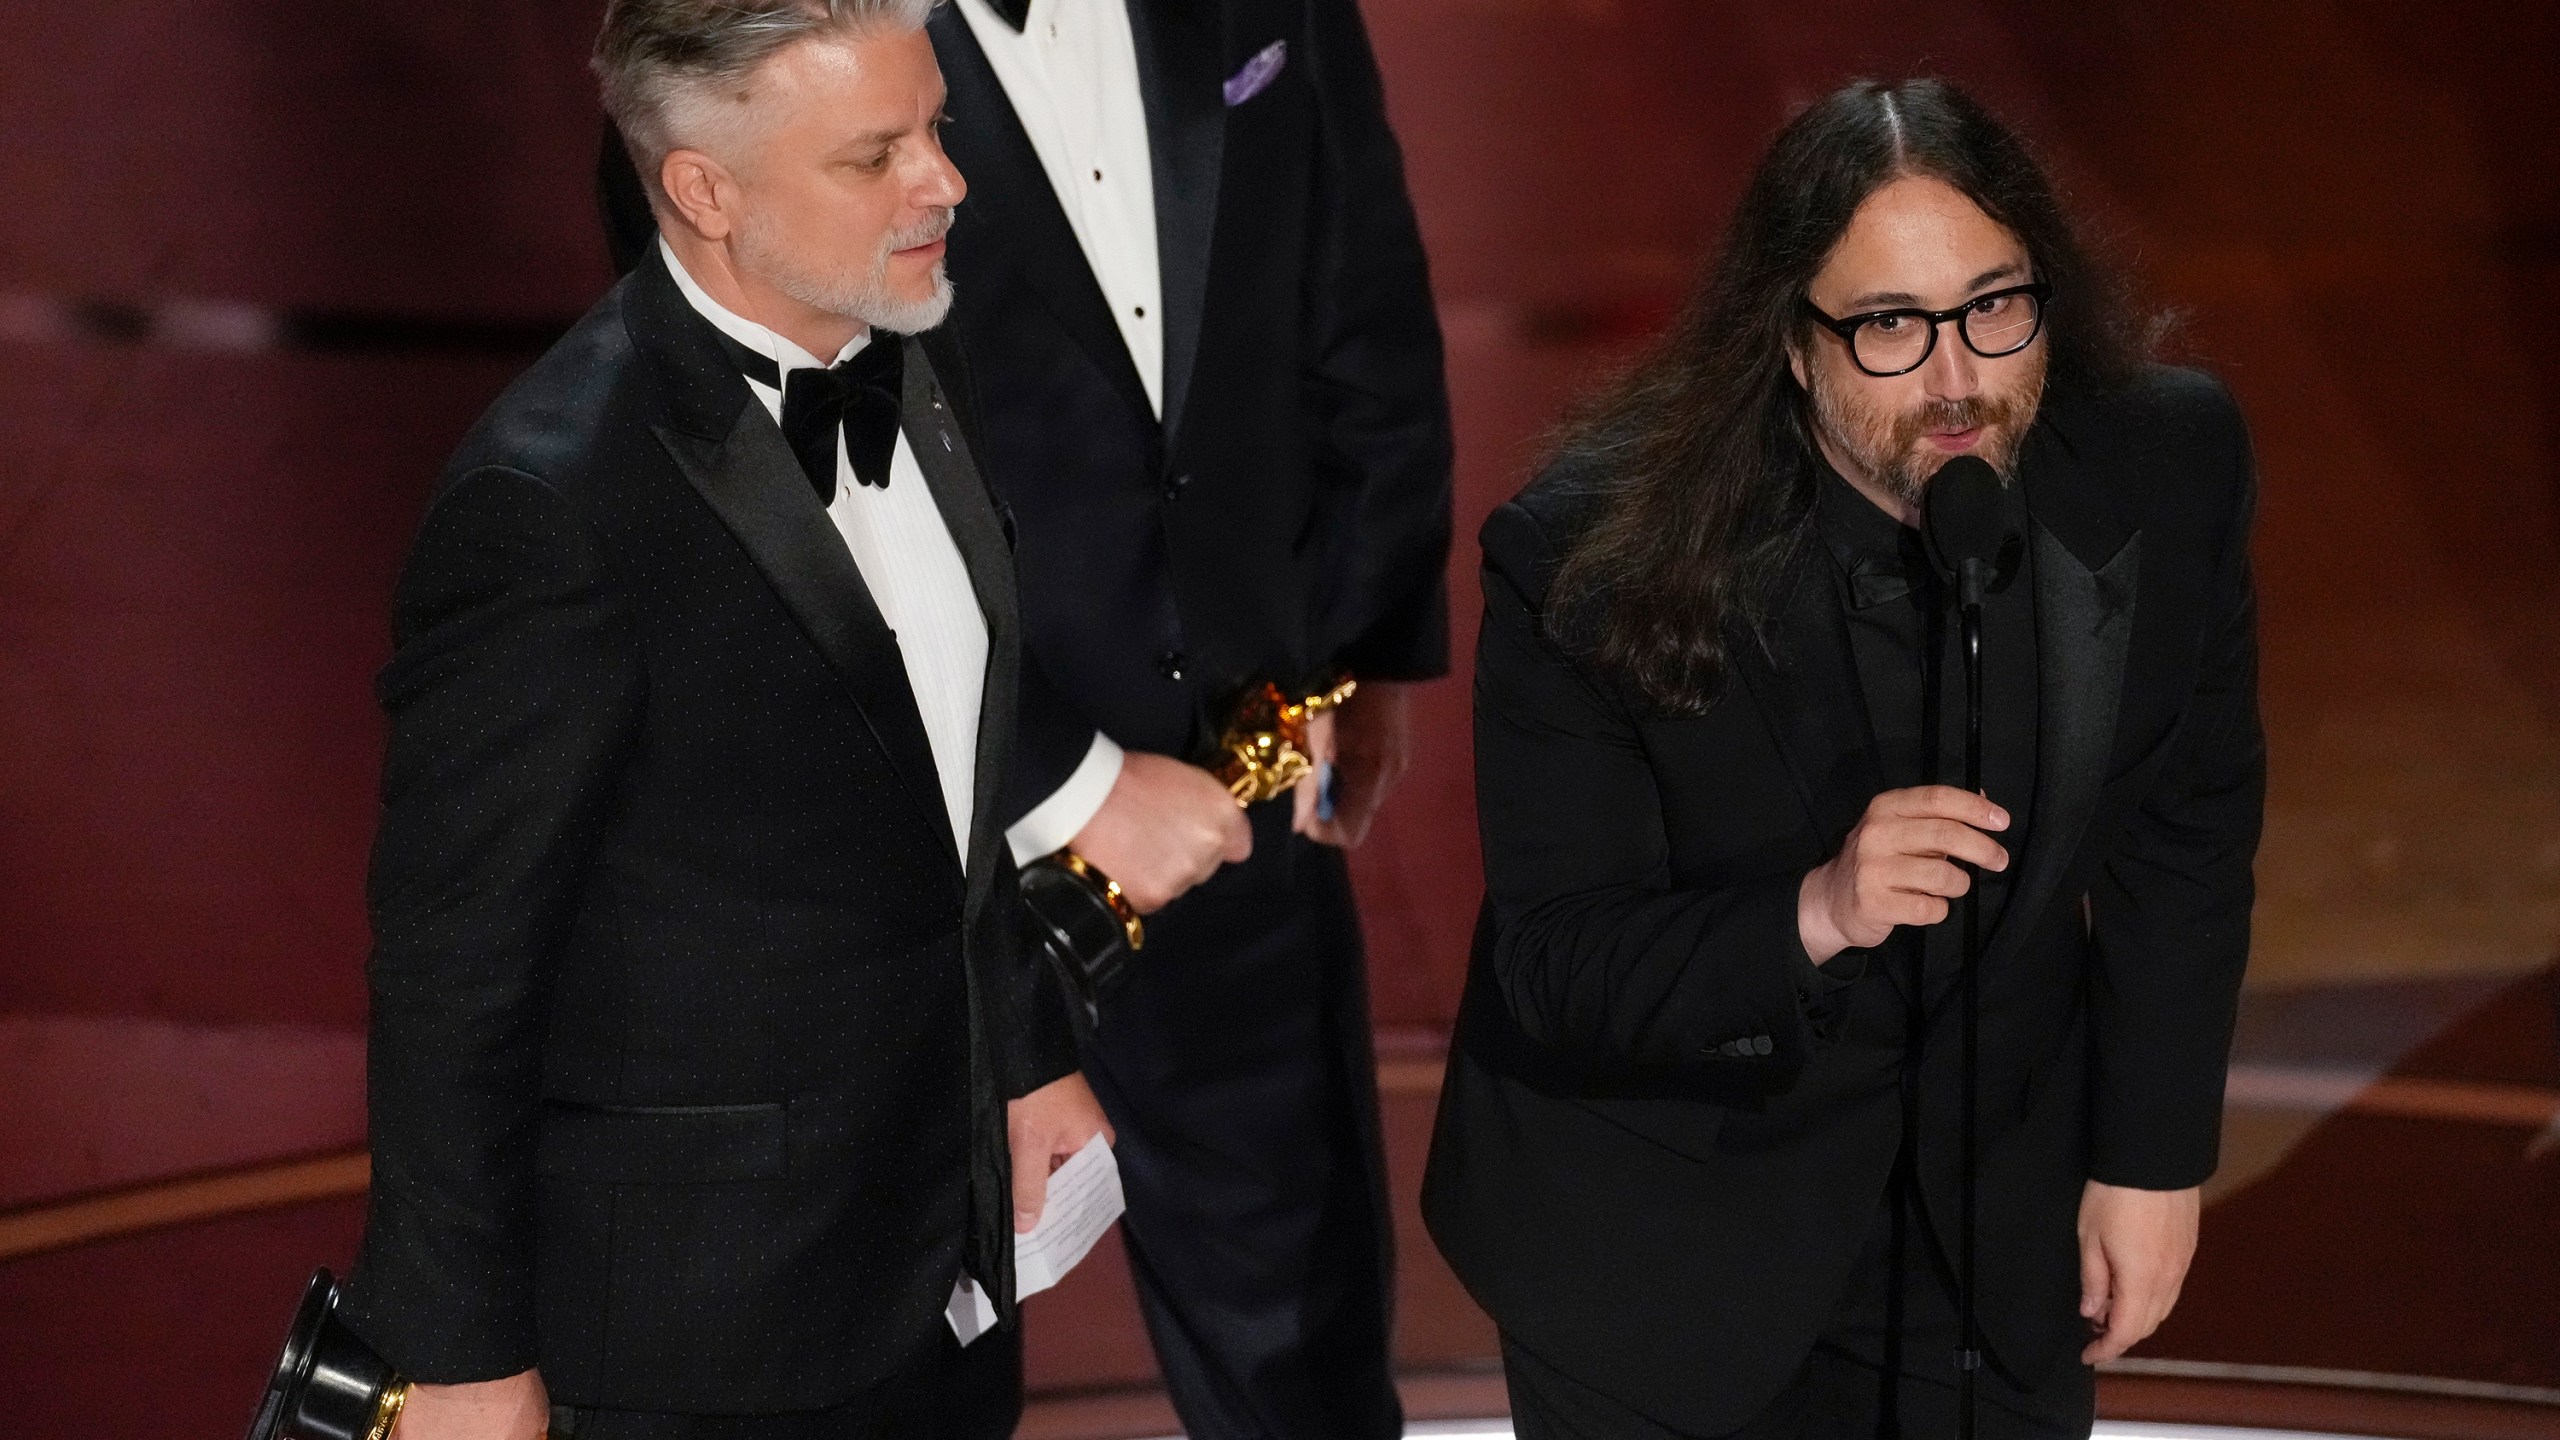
pixel 1375 395
pixel 1596 951
pixel 1038 1041
pixel 2169 913
pixel 513 696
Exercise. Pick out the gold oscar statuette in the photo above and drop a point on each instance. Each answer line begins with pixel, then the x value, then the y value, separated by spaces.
pixel 1263 753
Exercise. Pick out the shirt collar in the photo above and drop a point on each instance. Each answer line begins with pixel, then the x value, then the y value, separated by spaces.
pixel 785 353
pixel 1854 528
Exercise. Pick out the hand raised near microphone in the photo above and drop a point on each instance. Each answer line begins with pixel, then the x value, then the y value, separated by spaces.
pixel 1164 828
pixel 1898 867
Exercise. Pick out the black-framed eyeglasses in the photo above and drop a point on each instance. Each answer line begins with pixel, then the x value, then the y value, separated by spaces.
pixel 1897 342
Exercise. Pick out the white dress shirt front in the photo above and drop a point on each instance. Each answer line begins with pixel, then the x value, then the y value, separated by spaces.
pixel 908 560
pixel 1071 74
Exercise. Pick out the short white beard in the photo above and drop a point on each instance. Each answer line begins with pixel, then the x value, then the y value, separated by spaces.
pixel 866 296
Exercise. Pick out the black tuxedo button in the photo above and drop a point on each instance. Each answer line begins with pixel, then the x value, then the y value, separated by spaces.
pixel 1171 663
pixel 1174 487
pixel 1730 1047
pixel 1760 1045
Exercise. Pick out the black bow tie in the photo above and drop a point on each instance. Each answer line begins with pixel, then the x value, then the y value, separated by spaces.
pixel 1016 13
pixel 862 397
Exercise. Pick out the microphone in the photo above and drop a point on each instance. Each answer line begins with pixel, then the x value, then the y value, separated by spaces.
pixel 1967 520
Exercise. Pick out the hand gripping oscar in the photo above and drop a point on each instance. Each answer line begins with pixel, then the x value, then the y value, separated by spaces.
pixel 328 1384
pixel 1078 915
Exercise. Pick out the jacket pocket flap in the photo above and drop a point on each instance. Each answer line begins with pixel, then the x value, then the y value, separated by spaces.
pixel 660 1144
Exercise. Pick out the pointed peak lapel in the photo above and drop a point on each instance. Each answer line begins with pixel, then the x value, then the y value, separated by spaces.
pixel 941 449
pixel 748 476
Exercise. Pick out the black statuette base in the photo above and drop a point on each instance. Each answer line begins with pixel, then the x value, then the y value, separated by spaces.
pixel 328 1384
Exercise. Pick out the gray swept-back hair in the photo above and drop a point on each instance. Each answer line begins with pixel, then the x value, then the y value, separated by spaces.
pixel 665 65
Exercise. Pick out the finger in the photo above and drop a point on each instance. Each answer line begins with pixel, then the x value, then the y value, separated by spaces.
pixel 2122 1334
pixel 1030 1189
pixel 1951 839
pixel 1916 876
pixel 1905 907
pixel 1239 838
pixel 1943 802
pixel 2093 1281
pixel 1354 827
pixel 1302 807
pixel 2149 1295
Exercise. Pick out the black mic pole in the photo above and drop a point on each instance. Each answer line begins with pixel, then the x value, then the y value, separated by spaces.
pixel 1967 526
pixel 1972 577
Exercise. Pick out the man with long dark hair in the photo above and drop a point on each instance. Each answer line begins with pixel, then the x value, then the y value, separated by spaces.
pixel 1699 1149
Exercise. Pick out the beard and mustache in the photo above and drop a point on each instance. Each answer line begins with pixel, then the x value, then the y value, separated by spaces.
pixel 1891 447
pixel 851 289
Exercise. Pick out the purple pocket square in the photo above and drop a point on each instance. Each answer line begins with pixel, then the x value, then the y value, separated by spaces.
pixel 1257 73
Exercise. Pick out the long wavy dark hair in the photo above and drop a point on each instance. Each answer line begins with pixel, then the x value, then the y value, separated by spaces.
pixel 1701 456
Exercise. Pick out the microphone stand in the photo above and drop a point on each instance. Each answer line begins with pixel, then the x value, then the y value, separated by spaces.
pixel 1972 578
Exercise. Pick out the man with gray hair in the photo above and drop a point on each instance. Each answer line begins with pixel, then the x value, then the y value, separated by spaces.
pixel 706 1055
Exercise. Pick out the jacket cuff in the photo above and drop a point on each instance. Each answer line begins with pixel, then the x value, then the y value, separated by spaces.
pixel 438 1316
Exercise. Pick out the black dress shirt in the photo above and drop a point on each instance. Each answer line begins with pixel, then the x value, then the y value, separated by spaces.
pixel 1906 646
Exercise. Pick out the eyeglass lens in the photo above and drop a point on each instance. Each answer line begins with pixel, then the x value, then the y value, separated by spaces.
pixel 1993 325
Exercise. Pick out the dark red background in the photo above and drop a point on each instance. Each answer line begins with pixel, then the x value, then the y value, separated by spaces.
pixel 2359 202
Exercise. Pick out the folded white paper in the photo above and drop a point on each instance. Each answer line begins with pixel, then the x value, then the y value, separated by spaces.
pixel 1084 1198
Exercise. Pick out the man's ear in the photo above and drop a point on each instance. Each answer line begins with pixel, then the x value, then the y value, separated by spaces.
pixel 701 191
pixel 1796 363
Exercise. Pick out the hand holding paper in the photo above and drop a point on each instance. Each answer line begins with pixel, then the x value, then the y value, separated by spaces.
pixel 1084 1198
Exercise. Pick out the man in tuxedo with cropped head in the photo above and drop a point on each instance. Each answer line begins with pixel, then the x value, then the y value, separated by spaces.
pixel 707 1057
pixel 1702 1146
pixel 1198 316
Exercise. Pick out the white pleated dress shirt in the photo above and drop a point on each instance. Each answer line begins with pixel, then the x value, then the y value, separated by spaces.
pixel 1071 74
pixel 908 560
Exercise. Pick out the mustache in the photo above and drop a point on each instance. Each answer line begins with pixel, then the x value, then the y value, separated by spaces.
pixel 933 227
pixel 1992 413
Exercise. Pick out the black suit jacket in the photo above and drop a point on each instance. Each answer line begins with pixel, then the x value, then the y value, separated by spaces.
pixel 1289 516
pixel 692 1030
pixel 1660 1143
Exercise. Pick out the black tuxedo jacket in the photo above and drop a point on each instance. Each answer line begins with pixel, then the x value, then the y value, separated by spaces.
pixel 1290 514
pixel 692 1030
pixel 1664 1132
